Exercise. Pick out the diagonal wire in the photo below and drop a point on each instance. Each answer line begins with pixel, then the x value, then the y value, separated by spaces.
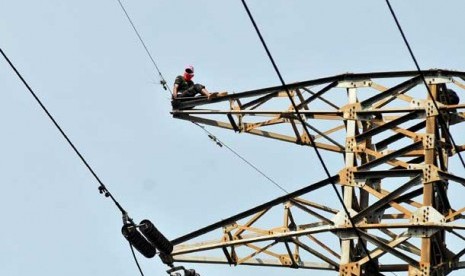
pixel 135 260
pixel 102 187
pixel 441 119
pixel 214 138
pixel 166 87
pixel 312 142
pixel 163 81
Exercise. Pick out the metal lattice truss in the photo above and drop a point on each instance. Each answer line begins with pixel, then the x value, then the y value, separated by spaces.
pixel 395 176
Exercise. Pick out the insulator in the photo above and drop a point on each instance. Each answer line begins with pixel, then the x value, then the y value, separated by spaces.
pixel 190 272
pixel 156 237
pixel 138 241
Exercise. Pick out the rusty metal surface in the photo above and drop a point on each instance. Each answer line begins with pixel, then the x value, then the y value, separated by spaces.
pixel 394 176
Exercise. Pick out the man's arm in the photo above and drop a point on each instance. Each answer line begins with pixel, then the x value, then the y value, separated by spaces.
pixel 175 90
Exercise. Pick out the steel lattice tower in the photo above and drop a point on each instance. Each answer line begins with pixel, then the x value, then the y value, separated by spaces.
pixel 395 177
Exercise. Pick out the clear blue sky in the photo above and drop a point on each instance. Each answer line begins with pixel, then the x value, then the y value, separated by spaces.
pixel 84 61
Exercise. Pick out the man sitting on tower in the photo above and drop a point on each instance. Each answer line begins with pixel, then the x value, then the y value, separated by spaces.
pixel 185 87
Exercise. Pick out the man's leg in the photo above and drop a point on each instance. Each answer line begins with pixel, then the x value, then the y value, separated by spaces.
pixel 200 89
pixel 190 92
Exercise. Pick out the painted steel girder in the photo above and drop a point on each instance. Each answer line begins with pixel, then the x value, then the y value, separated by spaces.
pixel 242 241
pixel 267 112
pixel 399 150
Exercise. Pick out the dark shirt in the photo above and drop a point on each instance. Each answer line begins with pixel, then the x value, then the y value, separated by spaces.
pixel 183 84
pixel 448 96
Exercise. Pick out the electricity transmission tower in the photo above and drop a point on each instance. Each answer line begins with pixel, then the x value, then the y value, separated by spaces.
pixel 391 137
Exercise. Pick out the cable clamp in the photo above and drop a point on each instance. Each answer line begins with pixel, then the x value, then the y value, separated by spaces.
pixel 175 271
pixel 163 83
pixel 127 220
pixel 214 139
pixel 103 190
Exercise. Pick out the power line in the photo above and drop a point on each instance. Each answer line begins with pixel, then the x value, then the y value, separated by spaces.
pixel 214 138
pixel 229 148
pixel 135 259
pixel 163 81
pixel 312 142
pixel 164 85
pixel 102 188
pixel 441 119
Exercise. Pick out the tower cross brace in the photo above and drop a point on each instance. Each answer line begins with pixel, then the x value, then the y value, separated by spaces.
pixel 395 176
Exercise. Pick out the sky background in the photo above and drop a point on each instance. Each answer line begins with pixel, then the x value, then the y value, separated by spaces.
pixel 84 61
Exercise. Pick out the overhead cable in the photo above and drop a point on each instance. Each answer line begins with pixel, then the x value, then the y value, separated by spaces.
pixel 213 137
pixel 162 79
pixel 102 188
pixel 135 259
pixel 167 87
pixel 312 142
pixel 441 119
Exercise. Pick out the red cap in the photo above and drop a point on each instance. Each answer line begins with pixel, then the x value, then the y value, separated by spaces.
pixel 189 70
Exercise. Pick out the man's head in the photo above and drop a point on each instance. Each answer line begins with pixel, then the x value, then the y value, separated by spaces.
pixel 189 72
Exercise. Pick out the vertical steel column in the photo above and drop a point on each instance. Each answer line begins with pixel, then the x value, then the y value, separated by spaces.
pixel 383 142
pixel 349 162
pixel 425 259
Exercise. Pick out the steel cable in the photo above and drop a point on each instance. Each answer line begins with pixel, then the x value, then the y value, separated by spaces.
pixel 312 142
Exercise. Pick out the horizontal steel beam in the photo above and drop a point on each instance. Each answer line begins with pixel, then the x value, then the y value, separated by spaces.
pixel 374 240
pixel 280 236
pixel 452 177
pixel 252 262
pixel 320 81
pixel 387 157
pixel 384 143
pixel 391 91
pixel 387 126
pixel 308 113
pixel 254 210
pixel 386 173
pixel 381 204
